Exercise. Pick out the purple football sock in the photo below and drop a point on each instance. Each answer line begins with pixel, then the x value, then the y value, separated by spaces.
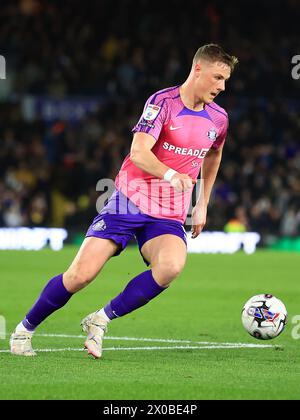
pixel 53 297
pixel 137 293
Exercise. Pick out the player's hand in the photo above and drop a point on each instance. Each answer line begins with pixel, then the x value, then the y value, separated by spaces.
pixel 181 182
pixel 199 214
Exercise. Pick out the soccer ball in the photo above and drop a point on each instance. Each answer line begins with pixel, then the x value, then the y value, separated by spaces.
pixel 264 317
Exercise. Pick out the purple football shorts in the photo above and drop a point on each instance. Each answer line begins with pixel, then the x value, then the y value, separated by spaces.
pixel 120 220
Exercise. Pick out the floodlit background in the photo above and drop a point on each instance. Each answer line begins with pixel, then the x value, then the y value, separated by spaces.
pixel 77 77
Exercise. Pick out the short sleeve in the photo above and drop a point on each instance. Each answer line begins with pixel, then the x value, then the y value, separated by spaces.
pixel 153 118
pixel 222 136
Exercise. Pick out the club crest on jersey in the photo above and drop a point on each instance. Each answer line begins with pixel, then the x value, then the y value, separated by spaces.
pixel 99 225
pixel 212 134
pixel 151 112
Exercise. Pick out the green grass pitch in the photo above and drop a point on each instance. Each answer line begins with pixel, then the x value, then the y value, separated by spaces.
pixel 199 315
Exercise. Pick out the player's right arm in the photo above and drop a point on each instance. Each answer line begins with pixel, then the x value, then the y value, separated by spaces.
pixel 142 156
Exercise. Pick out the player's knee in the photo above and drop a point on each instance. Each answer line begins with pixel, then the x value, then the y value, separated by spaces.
pixel 166 272
pixel 76 280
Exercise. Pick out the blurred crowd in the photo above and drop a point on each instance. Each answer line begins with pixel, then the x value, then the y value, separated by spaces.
pixel 122 52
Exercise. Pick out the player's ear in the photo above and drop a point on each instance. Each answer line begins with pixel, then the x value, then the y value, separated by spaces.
pixel 197 68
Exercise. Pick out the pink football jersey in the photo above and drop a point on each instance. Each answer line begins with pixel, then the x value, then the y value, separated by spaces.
pixel 183 138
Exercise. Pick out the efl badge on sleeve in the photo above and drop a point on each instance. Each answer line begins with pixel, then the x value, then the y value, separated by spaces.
pixel 151 112
pixel 212 134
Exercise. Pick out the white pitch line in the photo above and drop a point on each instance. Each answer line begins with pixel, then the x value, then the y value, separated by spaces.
pixel 185 347
pixel 154 340
pixel 159 340
pixel 150 348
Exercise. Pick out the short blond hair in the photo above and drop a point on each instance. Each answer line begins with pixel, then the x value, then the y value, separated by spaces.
pixel 213 53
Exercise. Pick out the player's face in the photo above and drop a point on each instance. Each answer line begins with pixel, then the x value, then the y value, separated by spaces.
pixel 210 79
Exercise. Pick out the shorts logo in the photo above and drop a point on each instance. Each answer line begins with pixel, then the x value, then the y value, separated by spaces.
pixel 212 134
pixel 99 225
pixel 151 112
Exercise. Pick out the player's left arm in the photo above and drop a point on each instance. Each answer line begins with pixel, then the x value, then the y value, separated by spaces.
pixel 209 172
